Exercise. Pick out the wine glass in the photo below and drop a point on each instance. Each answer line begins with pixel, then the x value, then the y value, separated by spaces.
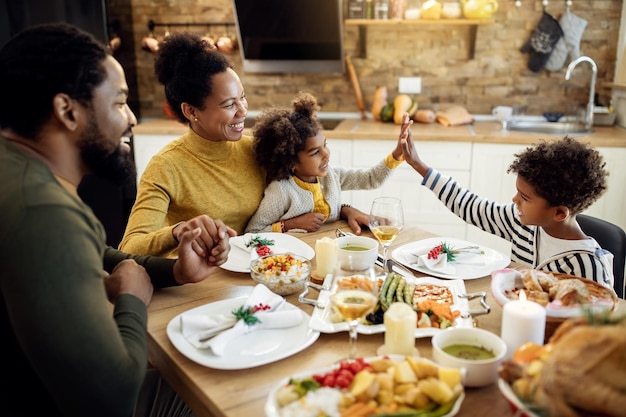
pixel 354 295
pixel 386 220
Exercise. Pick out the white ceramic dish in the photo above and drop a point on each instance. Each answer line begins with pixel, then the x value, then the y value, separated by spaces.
pixel 358 260
pixel 239 259
pixel 272 409
pixel 509 281
pixel 478 372
pixel 320 319
pixel 490 260
pixel 256 348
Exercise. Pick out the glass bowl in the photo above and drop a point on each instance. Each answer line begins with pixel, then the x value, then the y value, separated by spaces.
pixel 283 273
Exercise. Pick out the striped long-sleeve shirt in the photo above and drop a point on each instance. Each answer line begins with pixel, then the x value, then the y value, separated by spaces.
pixel 502 220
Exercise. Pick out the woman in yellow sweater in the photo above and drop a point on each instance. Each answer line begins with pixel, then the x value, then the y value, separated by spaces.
pixel 211 170
pixel 208 171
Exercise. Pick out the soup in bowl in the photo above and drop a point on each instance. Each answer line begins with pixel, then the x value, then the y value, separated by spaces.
pixel 479 351
pixel 357 252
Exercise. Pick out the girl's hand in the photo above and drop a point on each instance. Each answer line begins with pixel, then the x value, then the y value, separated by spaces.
pixel 397 153
pixel 310 222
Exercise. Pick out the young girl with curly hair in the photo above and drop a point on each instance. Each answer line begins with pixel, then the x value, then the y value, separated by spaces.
pixel 556 180
pixel 303 190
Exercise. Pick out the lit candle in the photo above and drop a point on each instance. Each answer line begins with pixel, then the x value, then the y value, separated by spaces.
pixel 400 323
pixel 522 321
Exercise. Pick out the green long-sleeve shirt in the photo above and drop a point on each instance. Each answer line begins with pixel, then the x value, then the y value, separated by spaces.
pixel 65 349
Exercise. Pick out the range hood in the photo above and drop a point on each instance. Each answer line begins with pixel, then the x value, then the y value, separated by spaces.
pixel 290 36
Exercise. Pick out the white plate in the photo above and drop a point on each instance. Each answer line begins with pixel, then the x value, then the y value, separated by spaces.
pixel 320 320
pixel 239 259
pixel 249 350
pixel 509 280
pixel 407 256
pixel 273 410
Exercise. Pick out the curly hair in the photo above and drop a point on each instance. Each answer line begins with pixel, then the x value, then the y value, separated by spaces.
pixel 41 62
pixel 564 172
pixel 279 134
pixel 185 64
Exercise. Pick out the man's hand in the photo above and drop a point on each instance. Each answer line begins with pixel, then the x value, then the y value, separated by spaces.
pixel 128 277
pixel 202 250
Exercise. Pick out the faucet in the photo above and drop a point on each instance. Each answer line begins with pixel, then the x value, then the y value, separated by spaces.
pixel 592 89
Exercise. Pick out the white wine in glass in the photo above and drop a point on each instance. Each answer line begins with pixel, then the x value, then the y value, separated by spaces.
pixel 386 220
pixel 354 296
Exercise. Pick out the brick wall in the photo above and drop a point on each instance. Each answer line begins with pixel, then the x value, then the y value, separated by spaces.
pixel 439 54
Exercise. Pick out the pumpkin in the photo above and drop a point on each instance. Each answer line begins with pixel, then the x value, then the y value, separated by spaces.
pixel 403 103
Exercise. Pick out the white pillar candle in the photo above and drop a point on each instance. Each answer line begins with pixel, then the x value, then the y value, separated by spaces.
pixel 326 253
pixel 522 321
pixel 400 323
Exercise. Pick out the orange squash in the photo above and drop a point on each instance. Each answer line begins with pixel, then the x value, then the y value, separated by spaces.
pixel 380 101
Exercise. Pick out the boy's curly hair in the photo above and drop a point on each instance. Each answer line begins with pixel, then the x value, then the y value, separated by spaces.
pixel 279 134
pixel 564 172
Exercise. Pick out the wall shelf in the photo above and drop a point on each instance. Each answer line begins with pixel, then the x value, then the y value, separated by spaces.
pixel 364 23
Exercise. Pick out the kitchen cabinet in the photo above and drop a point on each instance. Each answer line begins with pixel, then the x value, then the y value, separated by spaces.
pixel 477 158
pixel 362 25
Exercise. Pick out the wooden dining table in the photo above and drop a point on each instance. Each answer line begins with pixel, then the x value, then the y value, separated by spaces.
pixel 242 393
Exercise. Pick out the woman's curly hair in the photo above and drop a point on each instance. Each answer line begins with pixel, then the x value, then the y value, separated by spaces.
pixel 564 172
pixel 279 134
pixel 185 64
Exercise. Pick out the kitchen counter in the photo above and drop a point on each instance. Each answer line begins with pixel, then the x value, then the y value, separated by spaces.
pixel 479 131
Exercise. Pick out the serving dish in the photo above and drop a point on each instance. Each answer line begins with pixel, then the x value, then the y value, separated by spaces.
pixel 321 316
pixel 506 284
pixel 240 256
pixel 476 264
pixel 272 408
pixel 518 408
pixel 253 349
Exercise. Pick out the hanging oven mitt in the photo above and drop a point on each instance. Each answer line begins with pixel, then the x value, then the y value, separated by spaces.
pixel 542 42
pixel 568 47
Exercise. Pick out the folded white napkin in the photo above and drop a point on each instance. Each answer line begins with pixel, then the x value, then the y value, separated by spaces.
pixel 442 265
pixel 199 329
pixel 439 264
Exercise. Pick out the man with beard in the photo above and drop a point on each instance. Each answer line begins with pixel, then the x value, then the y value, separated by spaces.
pixel 74 311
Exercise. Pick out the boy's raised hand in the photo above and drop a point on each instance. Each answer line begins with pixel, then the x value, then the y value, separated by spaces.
pixel 409 153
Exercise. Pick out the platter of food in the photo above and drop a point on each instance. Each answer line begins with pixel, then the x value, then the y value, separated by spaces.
pixel 447 257
pixel 519 408
pixel 380 385
pixel 445 301
pixel 562 295
pixel 245 248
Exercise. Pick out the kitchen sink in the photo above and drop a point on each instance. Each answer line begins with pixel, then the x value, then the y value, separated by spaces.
pixel 557 128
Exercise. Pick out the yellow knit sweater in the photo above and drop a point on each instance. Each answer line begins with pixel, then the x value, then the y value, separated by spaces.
pixel 188 177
